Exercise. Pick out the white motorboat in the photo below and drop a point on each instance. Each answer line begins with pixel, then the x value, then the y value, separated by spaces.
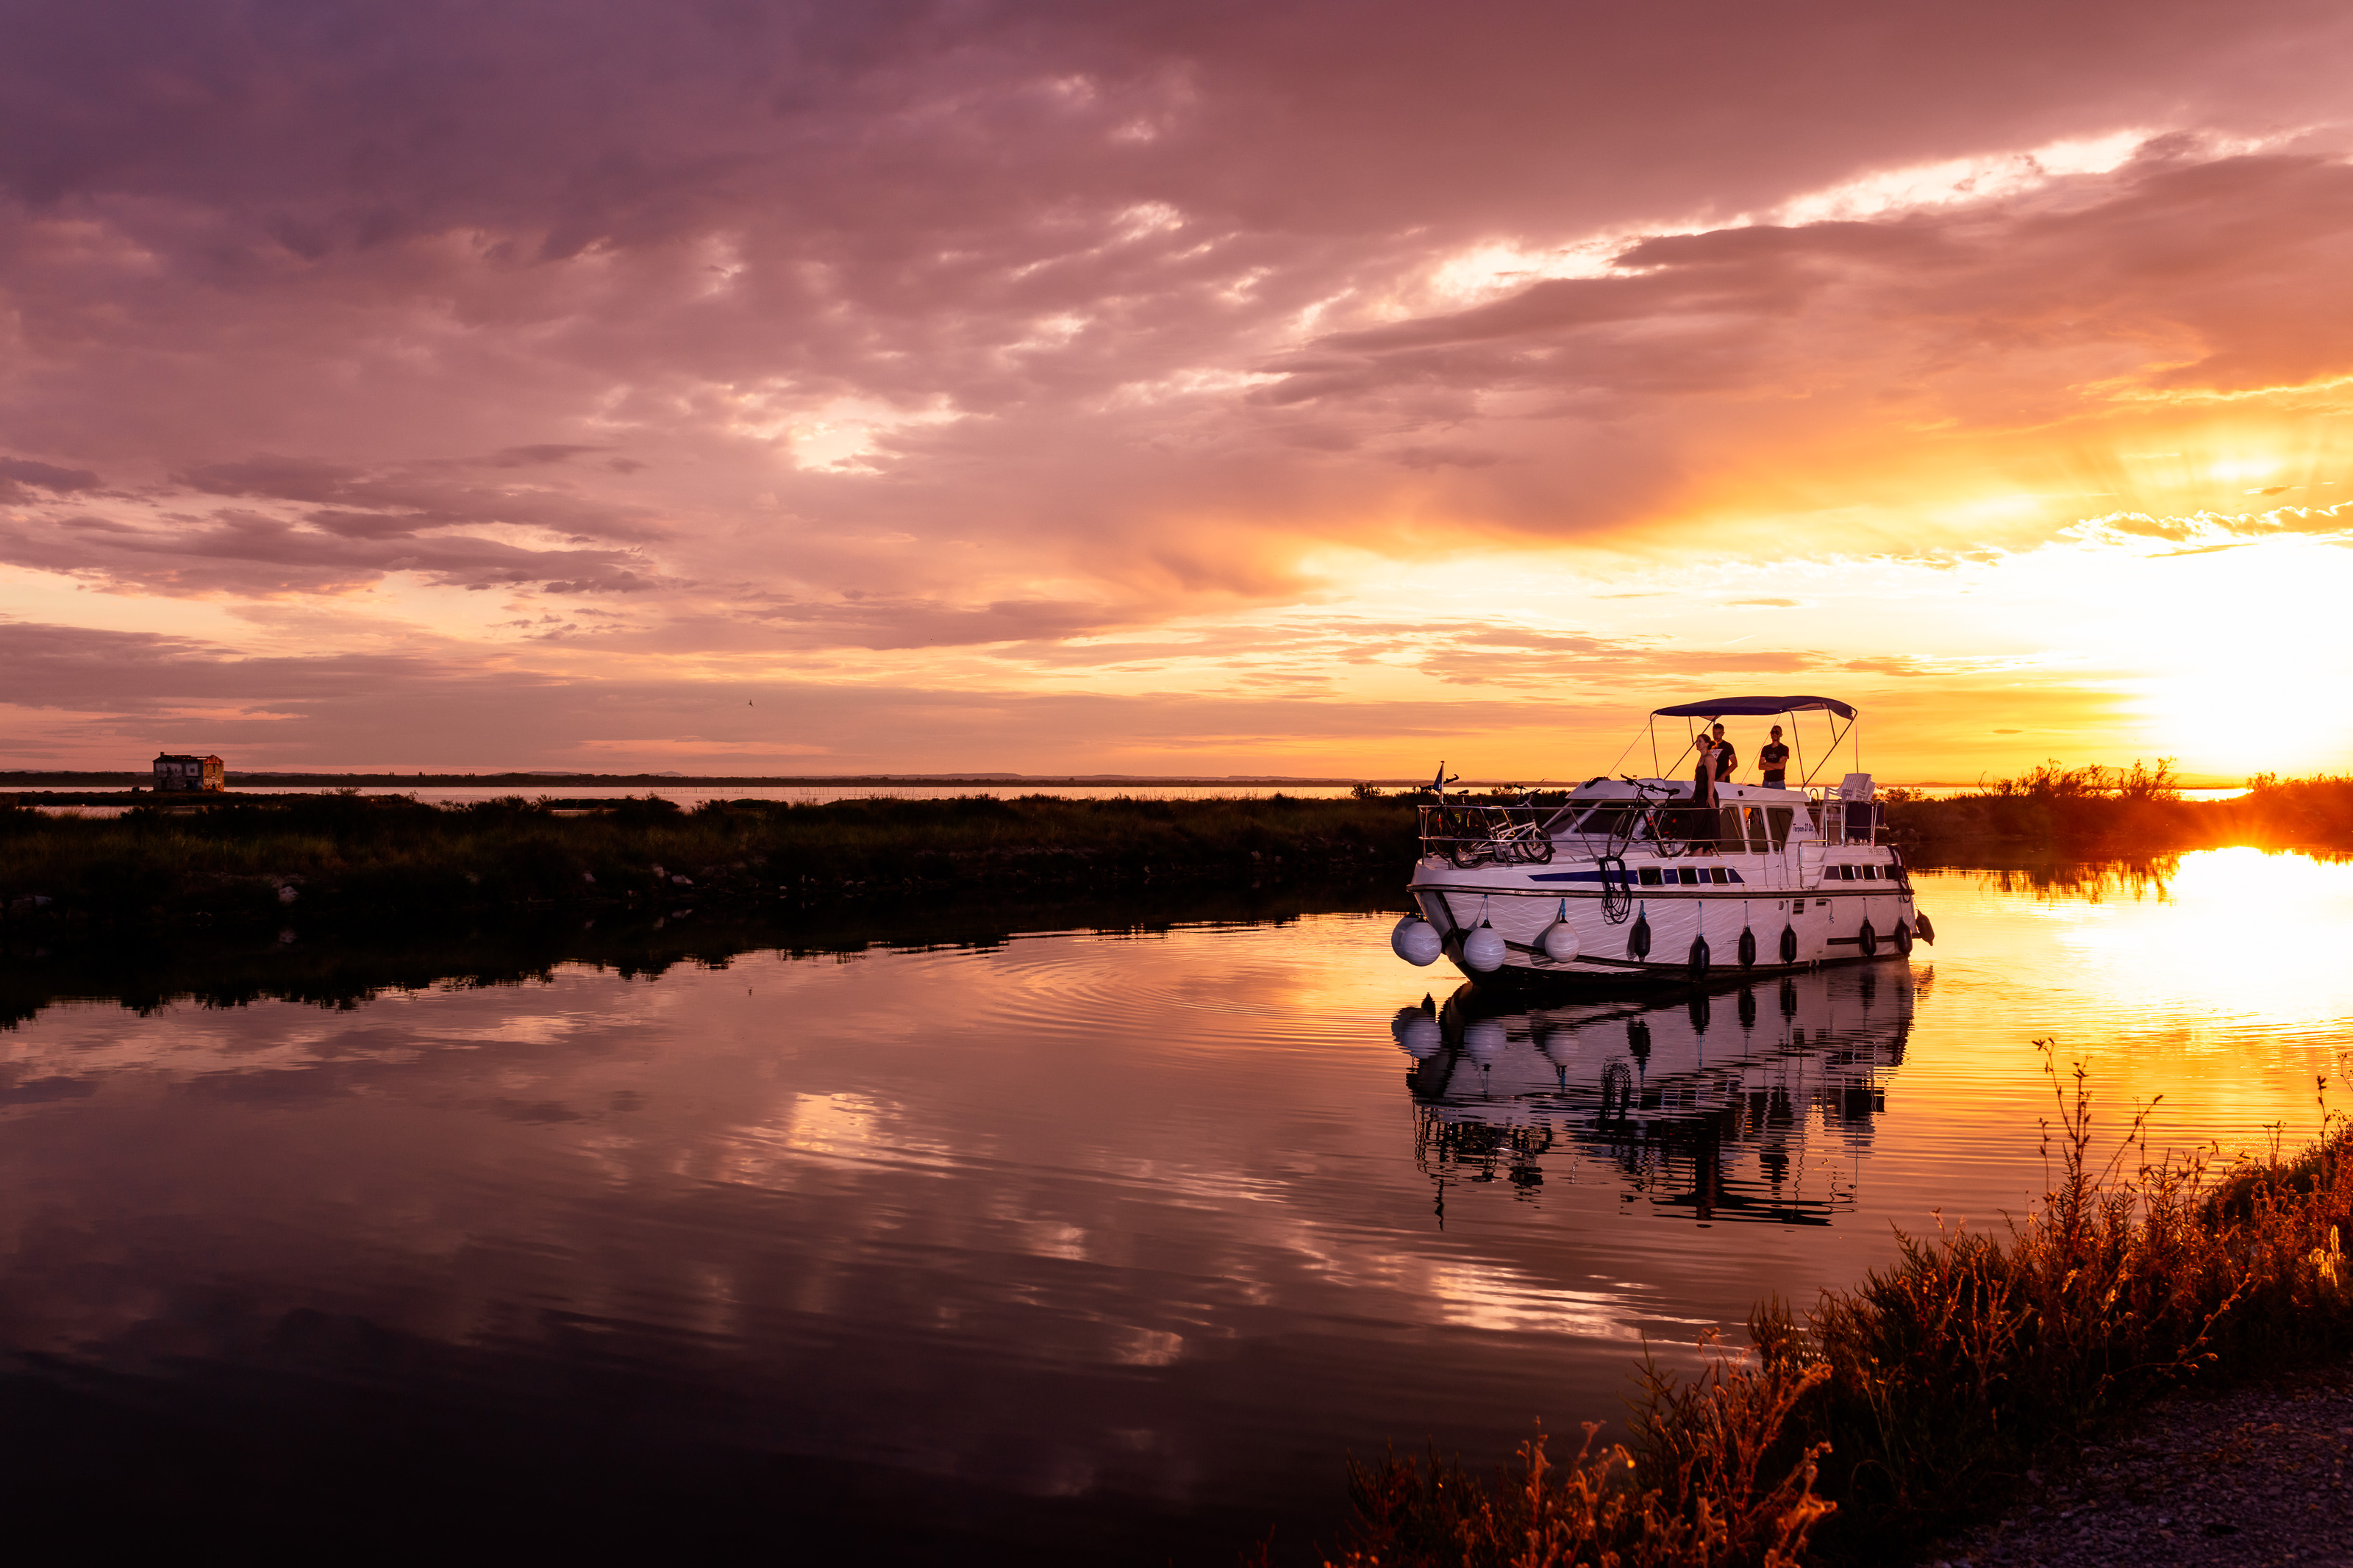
pixel 1629 879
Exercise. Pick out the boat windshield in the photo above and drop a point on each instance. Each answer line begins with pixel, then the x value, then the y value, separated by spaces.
pixel 1612 819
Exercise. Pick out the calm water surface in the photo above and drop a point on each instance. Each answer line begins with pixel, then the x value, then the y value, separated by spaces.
pixel 1084 1246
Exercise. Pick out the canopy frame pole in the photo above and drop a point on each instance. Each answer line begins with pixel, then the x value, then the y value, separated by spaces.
pixel 1837 735
pixel 1793 707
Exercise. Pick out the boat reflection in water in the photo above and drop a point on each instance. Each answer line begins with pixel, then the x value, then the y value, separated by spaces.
pixel 1745 1103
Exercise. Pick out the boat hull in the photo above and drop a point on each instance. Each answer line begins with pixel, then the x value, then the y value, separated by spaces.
pixel 1659 934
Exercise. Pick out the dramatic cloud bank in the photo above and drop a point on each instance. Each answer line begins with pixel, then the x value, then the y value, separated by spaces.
pixel 1037 385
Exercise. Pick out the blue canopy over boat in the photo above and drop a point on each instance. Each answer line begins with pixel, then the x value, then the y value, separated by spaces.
pixel 1753 707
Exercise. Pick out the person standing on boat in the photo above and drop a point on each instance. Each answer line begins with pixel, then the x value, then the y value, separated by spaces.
pixel 1727 759
pixel 1699 817
pixel 1774 758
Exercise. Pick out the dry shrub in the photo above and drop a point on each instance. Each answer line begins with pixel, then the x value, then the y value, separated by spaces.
pixel 1696 1498
pixel 1916 1399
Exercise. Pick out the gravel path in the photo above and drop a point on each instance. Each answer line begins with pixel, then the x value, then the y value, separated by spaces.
pixel 2253 1474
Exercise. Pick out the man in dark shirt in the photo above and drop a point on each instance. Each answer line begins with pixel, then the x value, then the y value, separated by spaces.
pixel 1727 759
pixel 1774 758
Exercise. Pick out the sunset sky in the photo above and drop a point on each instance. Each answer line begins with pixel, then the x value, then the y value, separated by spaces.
pixel 1204 388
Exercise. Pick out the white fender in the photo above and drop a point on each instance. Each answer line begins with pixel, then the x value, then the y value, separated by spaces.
pixel 1560 944
pixel 1559 939
pixel 1483 950
pixel 1416 941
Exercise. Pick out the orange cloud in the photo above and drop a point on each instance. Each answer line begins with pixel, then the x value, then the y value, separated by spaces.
pixel 1176 360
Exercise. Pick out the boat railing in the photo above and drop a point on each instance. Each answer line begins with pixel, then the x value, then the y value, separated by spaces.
pixel 1510 833
pixel 1838 821
pixel 1519 833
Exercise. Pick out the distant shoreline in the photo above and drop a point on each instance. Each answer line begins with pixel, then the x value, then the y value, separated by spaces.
pixel 26 780
pixel 66 779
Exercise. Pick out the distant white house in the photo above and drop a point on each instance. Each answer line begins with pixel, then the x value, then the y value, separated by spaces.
pixel 179 770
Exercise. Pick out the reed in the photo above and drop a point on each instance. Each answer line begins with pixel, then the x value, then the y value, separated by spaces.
pixel 1916 1401
pixel 2099 812
pixel 377 855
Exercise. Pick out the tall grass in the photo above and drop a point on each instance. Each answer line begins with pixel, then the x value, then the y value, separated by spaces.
pixel 2318 810
pixel 1912 1402
pixel 2094 812
pixel 383 854
pixel 2049 780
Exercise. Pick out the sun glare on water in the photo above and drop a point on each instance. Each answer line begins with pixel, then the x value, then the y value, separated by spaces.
pixel 2240 936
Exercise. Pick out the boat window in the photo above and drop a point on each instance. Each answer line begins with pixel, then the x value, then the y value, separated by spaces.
pixel 1691 876
pixel 1731 840
pixel 1871 872
pixel 1777 822
pixel 1720 875
pixel 1650 876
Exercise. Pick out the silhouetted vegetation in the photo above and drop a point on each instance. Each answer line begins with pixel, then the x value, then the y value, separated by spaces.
pixel 227 966
pixel 257 858
pixel 1905 1405
pixel 348 856
pixel 2093 812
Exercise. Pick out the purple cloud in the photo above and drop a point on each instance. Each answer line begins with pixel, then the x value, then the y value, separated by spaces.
pixel 921 325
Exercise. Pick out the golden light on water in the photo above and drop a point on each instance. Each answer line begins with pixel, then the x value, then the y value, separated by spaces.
pixel 2212 988
pixel 2231 940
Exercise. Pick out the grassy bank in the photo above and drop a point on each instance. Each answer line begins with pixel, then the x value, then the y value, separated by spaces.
pixel 374 858
pixel 347 856
pixel 2089 814
pixel 1891 1412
